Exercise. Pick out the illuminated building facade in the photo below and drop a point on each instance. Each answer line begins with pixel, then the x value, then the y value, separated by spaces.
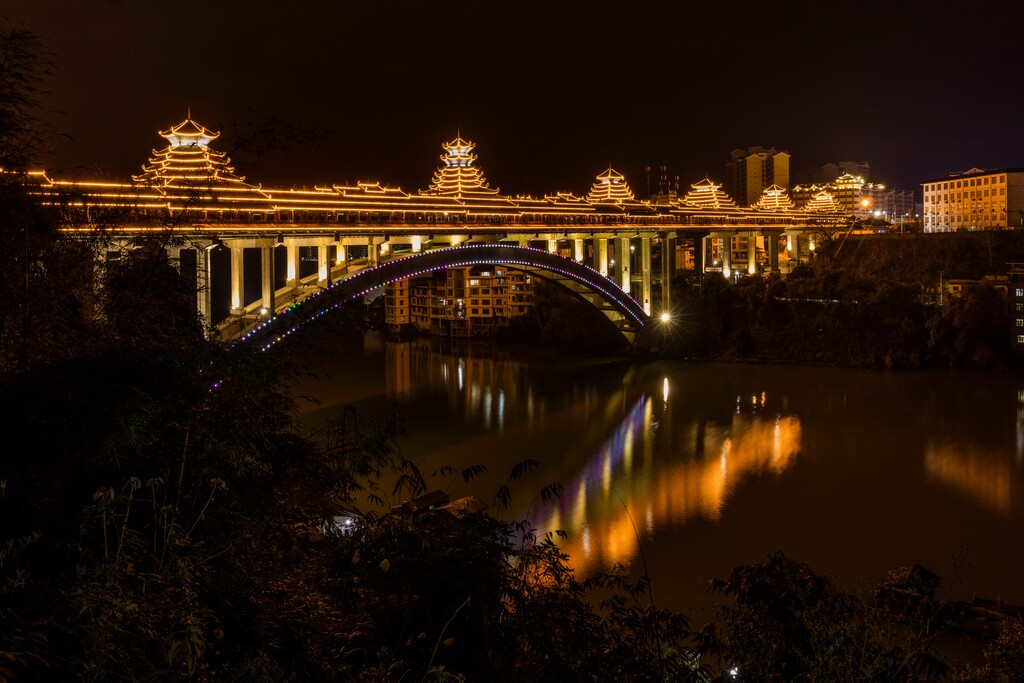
pixel 471 301
pixel 975 200
pixel 749 172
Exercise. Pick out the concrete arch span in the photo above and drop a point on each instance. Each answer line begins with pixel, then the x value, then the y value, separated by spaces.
pixel 586 283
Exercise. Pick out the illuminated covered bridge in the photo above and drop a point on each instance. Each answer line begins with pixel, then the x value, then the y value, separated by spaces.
pixel 288 244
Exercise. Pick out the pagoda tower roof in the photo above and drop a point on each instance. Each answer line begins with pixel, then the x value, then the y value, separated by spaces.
pixel 187 133
pixel 610 187
pixel 823 202
pixel 775 198
pixel 457 176
pixel 706 194
pixel 188 161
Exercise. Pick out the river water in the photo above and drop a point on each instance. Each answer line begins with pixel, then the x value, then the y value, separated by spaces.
pixel 694 468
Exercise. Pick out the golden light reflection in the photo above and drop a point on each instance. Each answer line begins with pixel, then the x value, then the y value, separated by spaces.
pixel 984 476
pixel 600 532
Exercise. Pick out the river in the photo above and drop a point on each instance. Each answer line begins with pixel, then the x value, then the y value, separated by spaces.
pixel 705 466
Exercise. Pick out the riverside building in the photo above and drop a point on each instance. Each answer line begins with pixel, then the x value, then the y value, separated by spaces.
pixel 975 199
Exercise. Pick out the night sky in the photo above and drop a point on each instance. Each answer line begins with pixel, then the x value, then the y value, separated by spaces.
pixel 552 92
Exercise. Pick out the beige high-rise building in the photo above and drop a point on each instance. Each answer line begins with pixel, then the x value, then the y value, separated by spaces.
pixel 749 172
pixel 975 199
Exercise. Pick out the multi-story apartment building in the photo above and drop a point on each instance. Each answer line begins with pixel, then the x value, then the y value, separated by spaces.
pixel 974 200
pixel 460 302
pixel 749 172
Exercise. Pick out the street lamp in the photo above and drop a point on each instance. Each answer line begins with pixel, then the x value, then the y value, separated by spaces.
pixel 865 205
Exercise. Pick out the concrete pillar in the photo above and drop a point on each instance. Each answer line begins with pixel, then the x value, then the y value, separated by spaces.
pixel 668 271
pixel 699 250
pixel 267 277
pixel 645 274
pixel 552 246
pixel 601 255
pixel 340 253
pixel 372 252
pixel 237 281
pixel 726 253
pixel 204 293
pixel 292 275
pixel 578 249
pixel 771 245
pixel 793 249
pixel 751 253
pixel 623 257
pixel 323 268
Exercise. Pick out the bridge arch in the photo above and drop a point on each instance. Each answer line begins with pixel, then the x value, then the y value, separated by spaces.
pixel 620 308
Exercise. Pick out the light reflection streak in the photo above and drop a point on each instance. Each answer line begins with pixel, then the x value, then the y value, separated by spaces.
pixel 985 477
pixel 600 532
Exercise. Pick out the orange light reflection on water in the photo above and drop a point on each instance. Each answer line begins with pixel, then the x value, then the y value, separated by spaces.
pixel 593 507
pixel 985 477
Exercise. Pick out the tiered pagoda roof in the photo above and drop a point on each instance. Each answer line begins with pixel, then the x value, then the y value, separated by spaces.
pixel 457 175
pixel 708 195
pixel 188 161
pixel 610 187
pixel 775 198
pixel 823 202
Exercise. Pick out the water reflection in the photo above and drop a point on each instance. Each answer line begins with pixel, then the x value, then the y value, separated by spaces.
pixel 685 468
pixel 853 472
pixel 985 477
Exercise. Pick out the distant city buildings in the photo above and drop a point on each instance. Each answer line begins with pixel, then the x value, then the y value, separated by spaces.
pixel 975 199
pixel 863 199
pixel 749 172
pixel 829 172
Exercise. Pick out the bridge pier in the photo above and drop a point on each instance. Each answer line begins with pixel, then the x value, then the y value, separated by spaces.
pixel 699 252
pixel 292 256
pixel 237 279
pixel 751 253
pixel 267 275
pixel 668 270
pixel 771 245
pixel 323 268
pixel 601 255
pixel 645 273
pixel 726 252
pixel 578 249
pixel 623 256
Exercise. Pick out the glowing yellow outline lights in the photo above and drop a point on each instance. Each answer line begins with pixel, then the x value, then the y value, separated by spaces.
pixel 189 177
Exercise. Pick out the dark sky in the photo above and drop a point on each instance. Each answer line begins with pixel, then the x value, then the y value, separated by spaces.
pixel 552 92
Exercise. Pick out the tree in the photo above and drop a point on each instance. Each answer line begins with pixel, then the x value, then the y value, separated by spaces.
pixel 788 623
